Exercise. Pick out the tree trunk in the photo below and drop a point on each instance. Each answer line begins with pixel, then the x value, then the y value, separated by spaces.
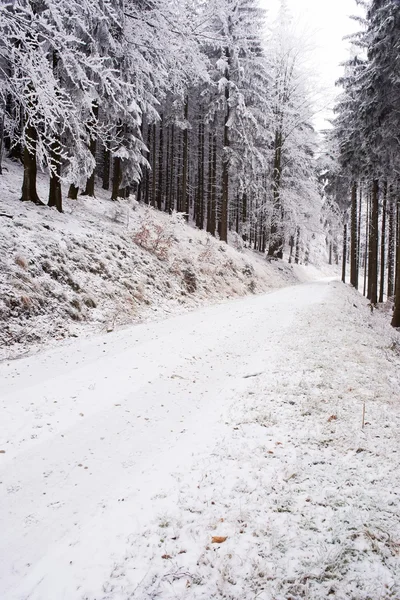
pixel 212 224
pixel 29 191
pixel 297 255
pixel 117 176
pixel 89 190
pixel 344 258
pixel 276 239
pixel 160 165
pixel 185 195
pixel 396 313
pixel 154 167
pixel 2 140
pixel 291 245
pixel 223 229
pixel 391 244
pixel 383 245
pixel 55 192
pixel 373 230
pixel 353 233
pixel 106 167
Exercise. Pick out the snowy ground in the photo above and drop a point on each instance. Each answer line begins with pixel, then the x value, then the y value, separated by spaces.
pixel 105 264
pixel 123 456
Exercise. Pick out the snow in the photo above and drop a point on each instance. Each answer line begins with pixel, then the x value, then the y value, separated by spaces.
pixel 103 265
pixel 124 455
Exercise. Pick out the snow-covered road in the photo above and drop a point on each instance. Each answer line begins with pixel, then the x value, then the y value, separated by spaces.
pixel 94 433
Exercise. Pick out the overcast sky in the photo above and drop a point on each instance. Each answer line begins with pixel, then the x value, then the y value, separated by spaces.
pixel 328 22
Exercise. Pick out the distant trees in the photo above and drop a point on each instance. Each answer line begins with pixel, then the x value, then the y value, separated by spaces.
pixel 185 104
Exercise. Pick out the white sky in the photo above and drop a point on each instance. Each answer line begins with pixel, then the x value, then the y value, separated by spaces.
pixel 327 22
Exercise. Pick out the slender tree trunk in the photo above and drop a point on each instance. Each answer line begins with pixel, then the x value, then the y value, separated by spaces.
pixel 2 119
pixel 223 233
pixel 344 259
pixel 374 224
pixel 366 250
pixel 185 195
pixel 200 197
pixel 89 190
pixel 147 174
pixel 171 201
pixel 212 225
pixel 359 234
pixel 276 238
pixel 330 252
pixel 29 191
pixel 106 167
pixel 117 176
pixel 383 244
pixel 55 192
pixel 244 216
pixel 391 243
pixel 297 255
pixel 396 313
pixel 160 164
pixel 354 242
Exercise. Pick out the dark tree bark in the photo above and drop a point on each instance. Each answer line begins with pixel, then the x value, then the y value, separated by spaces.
pixel 366 252
pixel 106 167
pixel 297 255
pixel 396 313
pixel 354 242
pixel 391 244
pixel 29 191
pixel 373 263
pixel 160 165
pixel 55 192
pixel 276 238
pixel 117 177
pixel 154 166
pixel 223 224
pixel 185 168
pixel 344 259
pixel 89 190
pixel 147 173
pixel 1 141
pixel 383 244
pixel 73 192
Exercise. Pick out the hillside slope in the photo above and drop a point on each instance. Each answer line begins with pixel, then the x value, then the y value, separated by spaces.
pixel 103 264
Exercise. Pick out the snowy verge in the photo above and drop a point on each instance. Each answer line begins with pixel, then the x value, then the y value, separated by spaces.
pixel 298 498
pixel 104 264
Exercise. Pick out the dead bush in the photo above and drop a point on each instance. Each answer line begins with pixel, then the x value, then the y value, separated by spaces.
pixel 190 280
pixel 155 239
pixel 21 261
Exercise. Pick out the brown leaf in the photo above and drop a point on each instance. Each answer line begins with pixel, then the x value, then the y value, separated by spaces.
pixel 2 451
pixel 218 539
pixel 166 556
pixel 332 418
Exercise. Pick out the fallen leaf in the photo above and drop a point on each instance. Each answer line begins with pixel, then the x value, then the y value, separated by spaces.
pixel 2 451
pixel 166 556
pixel 332 418
pixel 218 540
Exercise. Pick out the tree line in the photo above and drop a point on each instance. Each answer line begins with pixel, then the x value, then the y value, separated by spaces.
pixel 365 152
pixel 193 107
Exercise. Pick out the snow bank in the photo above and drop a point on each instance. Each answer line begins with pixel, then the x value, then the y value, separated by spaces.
pixel 102 264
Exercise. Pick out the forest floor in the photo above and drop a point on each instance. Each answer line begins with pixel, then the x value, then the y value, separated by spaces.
pixel 101 265
pixel 220 454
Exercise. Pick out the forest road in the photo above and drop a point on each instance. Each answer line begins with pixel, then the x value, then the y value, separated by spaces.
pixel 93 430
